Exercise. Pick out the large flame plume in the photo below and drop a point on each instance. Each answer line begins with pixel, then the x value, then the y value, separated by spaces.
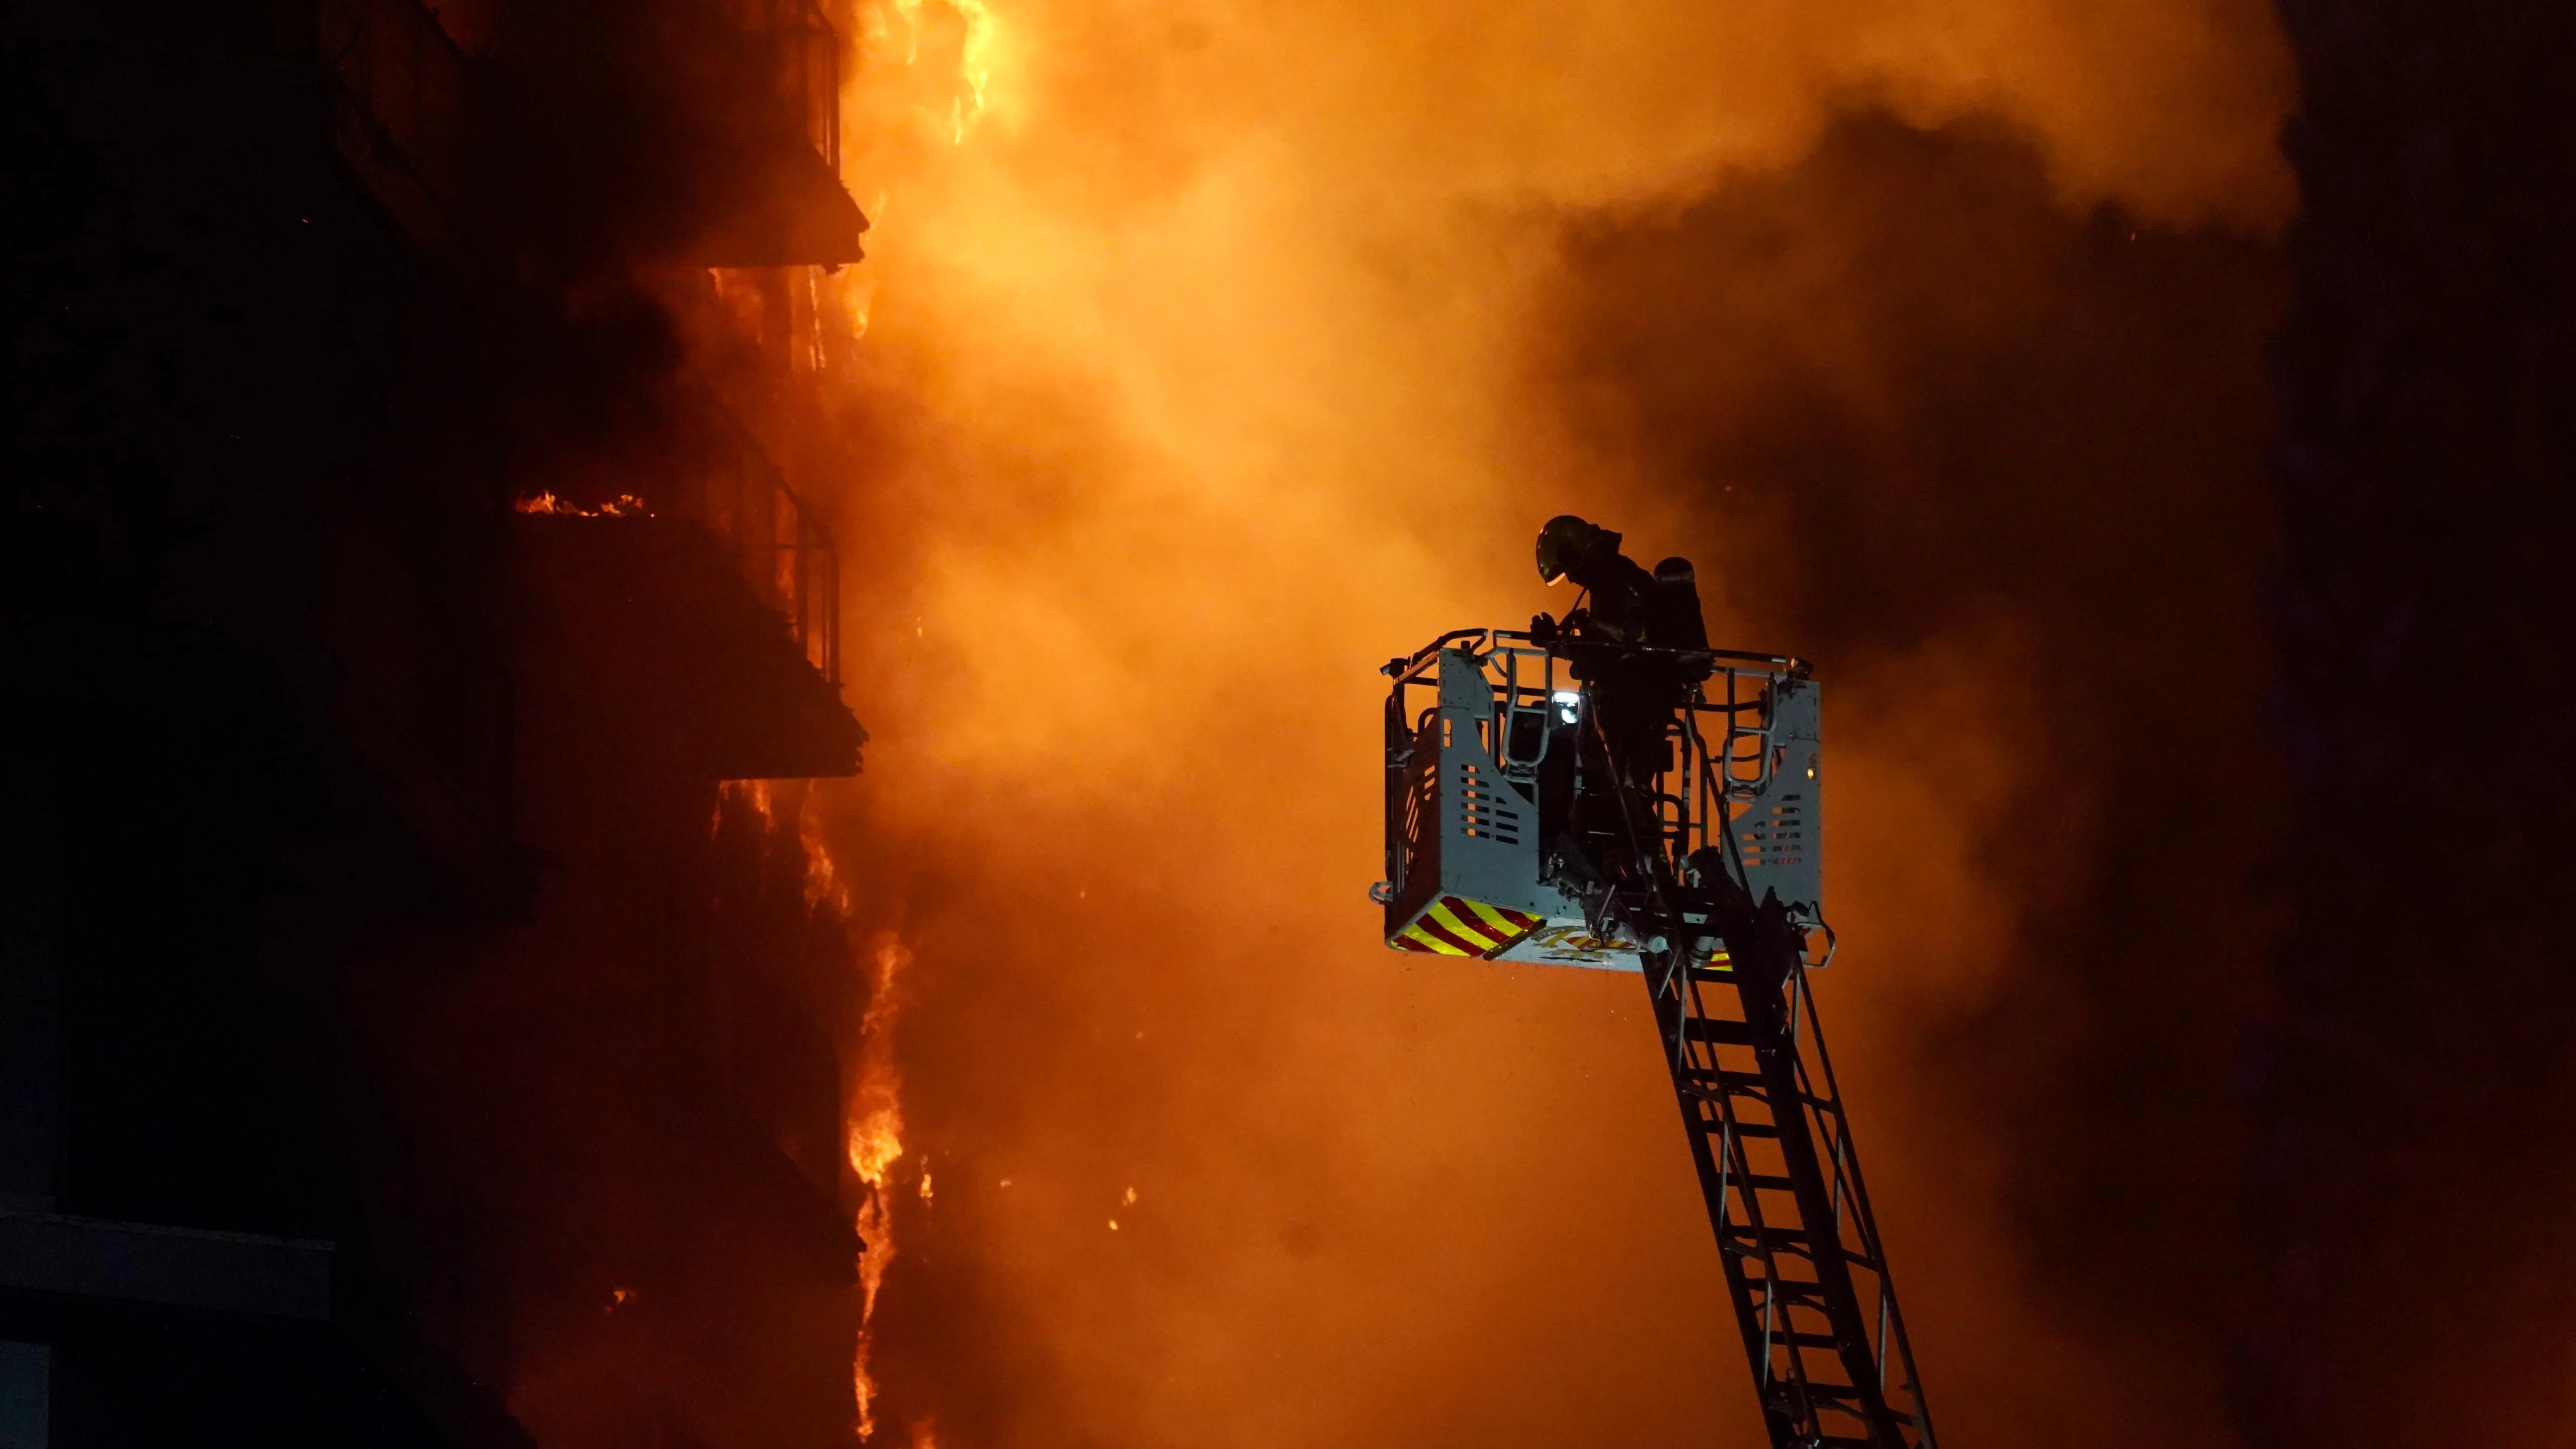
pixel 872 1136
pixel 875 1136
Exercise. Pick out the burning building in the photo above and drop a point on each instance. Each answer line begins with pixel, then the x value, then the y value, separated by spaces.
pixel 439 1005
pixel 406 1038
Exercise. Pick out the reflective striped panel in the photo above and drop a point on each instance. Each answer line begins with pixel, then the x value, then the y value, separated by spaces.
pixel 1454 926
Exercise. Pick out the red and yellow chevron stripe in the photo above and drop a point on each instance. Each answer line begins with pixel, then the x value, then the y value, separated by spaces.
pixel 1454 926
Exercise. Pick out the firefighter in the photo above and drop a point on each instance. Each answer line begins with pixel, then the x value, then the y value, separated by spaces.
pixel 1617 640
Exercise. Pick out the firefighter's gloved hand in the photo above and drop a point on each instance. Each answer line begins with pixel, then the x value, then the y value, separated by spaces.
pixel 1542 630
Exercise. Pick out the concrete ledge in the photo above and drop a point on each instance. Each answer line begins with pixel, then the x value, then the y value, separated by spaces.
pixel 182 1267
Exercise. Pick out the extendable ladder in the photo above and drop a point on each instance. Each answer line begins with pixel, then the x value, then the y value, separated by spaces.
pixel 1746 1048
pixel 1800 1249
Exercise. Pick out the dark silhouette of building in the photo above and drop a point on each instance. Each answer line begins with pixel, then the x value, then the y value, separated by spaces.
pixel 389 1049
pixel 2411 1091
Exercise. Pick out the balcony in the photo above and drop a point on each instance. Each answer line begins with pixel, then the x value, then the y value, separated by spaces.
pixel 697 634
pixel 475 149
pixel 783 553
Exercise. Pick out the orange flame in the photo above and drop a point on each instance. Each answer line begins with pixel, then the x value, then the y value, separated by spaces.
pixel 873 1117
pixel 625 505
pixel 755 791
pixel 875 1146
pixel 890 40
pixel 823 882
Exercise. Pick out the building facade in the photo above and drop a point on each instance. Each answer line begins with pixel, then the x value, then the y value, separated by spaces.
pixel 406 1036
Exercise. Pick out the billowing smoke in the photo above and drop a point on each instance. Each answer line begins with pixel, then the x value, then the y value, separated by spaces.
pixel 1215 353
pixel 1998 469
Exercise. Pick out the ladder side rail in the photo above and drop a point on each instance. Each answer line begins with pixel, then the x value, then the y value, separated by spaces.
pixel 1866 1255
pixel 1865 1223
pixel 1764 960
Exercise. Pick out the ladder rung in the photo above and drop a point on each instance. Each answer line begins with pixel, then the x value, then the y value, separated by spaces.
pixel 1745 1242
pixel 1786 1290
pixel 1742 1129
pixel 1831 1391
pixel 1804 1340
pixel 1780 1237
pixel 1749 1247
pixel 1722 1033
pixel 1774 1234
pixel 1741 1084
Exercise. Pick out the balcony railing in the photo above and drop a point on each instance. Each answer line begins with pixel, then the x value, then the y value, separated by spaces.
pixel 784 552
pixel 806 55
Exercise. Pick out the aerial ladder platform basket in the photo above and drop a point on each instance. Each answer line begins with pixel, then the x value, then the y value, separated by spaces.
pixel 1512 836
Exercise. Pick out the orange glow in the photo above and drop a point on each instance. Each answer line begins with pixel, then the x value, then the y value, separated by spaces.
pixel 1199 342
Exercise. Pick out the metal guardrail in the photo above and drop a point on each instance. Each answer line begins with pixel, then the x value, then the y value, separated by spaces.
pixel 809 52
pixel 806 57
pixel 785 553
pixel 1725 728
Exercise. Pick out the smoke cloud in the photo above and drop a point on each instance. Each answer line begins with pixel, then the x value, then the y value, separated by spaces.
pixel 1215 353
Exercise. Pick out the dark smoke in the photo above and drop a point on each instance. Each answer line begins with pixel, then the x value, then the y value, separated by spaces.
pixel 1915 409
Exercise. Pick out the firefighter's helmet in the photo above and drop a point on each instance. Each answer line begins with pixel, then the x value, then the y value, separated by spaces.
pixel 1567 543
